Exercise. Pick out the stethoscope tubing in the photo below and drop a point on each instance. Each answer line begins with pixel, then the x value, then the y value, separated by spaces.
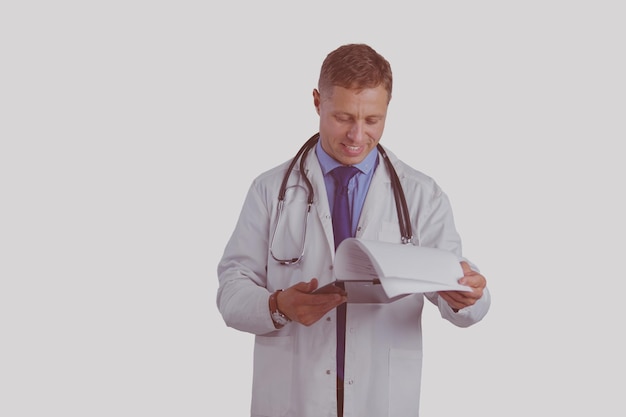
pixel 404 218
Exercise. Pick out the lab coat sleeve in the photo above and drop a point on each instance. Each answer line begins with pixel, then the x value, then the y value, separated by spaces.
pixel 466 316
pixel 242 295
pixel 438 230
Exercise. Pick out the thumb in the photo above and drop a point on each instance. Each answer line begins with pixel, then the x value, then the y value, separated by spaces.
pixel 466 269
pixel 306 286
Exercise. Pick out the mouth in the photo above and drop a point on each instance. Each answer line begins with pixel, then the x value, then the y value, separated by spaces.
pixel 353 149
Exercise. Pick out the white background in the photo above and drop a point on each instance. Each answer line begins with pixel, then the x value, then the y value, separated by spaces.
pixel 130 131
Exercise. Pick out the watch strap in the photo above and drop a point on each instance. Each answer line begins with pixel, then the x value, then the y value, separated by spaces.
pixel 278 317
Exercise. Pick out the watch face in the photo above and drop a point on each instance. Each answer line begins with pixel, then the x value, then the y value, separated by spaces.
pixel 279 318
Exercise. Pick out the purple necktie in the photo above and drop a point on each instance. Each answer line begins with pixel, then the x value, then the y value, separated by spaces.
pixel 342 219
pixel 342 228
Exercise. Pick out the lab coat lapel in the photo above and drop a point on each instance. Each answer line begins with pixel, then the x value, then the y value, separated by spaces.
pixel 377 199
pixel 320 201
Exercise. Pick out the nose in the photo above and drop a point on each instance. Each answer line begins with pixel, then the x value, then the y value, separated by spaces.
pixel 355 134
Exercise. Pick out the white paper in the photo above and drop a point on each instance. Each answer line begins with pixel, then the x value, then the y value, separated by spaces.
pixel 401 269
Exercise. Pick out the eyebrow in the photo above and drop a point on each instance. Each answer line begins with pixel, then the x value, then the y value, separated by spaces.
pixel 372 116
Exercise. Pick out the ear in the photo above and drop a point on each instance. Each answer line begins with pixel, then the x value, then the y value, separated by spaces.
pixel 316 100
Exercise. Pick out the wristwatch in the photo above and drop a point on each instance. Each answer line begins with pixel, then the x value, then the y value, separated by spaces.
pixel 277 316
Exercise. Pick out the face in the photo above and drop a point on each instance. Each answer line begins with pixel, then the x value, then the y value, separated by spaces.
pixel 351 121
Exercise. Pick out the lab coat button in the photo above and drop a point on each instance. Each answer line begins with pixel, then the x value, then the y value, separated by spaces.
pixel 328 372
pixel 328 318
pixel 350 382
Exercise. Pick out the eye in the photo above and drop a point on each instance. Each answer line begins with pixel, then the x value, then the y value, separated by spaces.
pixel 372 120
pixel 343 118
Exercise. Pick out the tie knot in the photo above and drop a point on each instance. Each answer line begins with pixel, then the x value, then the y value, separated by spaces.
pixel 343 173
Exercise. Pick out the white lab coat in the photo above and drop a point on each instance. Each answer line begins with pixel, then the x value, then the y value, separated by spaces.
pixel 294 367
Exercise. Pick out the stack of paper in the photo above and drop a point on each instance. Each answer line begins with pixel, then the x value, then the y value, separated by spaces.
pixel 365 266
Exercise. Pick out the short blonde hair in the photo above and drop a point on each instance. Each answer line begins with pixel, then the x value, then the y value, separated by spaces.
pixel 355 66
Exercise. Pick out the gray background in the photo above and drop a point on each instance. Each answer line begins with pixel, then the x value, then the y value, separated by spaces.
pixel 131 130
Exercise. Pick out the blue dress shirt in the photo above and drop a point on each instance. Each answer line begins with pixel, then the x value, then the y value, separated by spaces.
pixel 358 185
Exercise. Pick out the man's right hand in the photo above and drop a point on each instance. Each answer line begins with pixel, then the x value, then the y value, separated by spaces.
pixel 299 304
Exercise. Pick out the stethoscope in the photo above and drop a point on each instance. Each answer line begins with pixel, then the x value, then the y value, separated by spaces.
pixel 401 206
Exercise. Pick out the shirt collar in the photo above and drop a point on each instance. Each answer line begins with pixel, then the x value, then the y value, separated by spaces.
pixel 328 163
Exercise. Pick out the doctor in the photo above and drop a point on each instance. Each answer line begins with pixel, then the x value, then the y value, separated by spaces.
pixel 295 352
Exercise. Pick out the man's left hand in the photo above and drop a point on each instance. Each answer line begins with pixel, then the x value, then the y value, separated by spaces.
pixel 460 299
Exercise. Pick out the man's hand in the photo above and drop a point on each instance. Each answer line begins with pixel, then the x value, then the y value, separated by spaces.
pixel 460 299
pixel 297 302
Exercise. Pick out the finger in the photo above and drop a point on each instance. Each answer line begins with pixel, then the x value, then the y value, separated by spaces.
pixel 475 281
pixel 467 270
pixel 316 306
pixel 330 289
pixel 452 296
pixel 327 301
pixel 462 297
pixel 448 298
pixel 306 286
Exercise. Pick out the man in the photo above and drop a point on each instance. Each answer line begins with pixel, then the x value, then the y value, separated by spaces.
pixel 298 365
